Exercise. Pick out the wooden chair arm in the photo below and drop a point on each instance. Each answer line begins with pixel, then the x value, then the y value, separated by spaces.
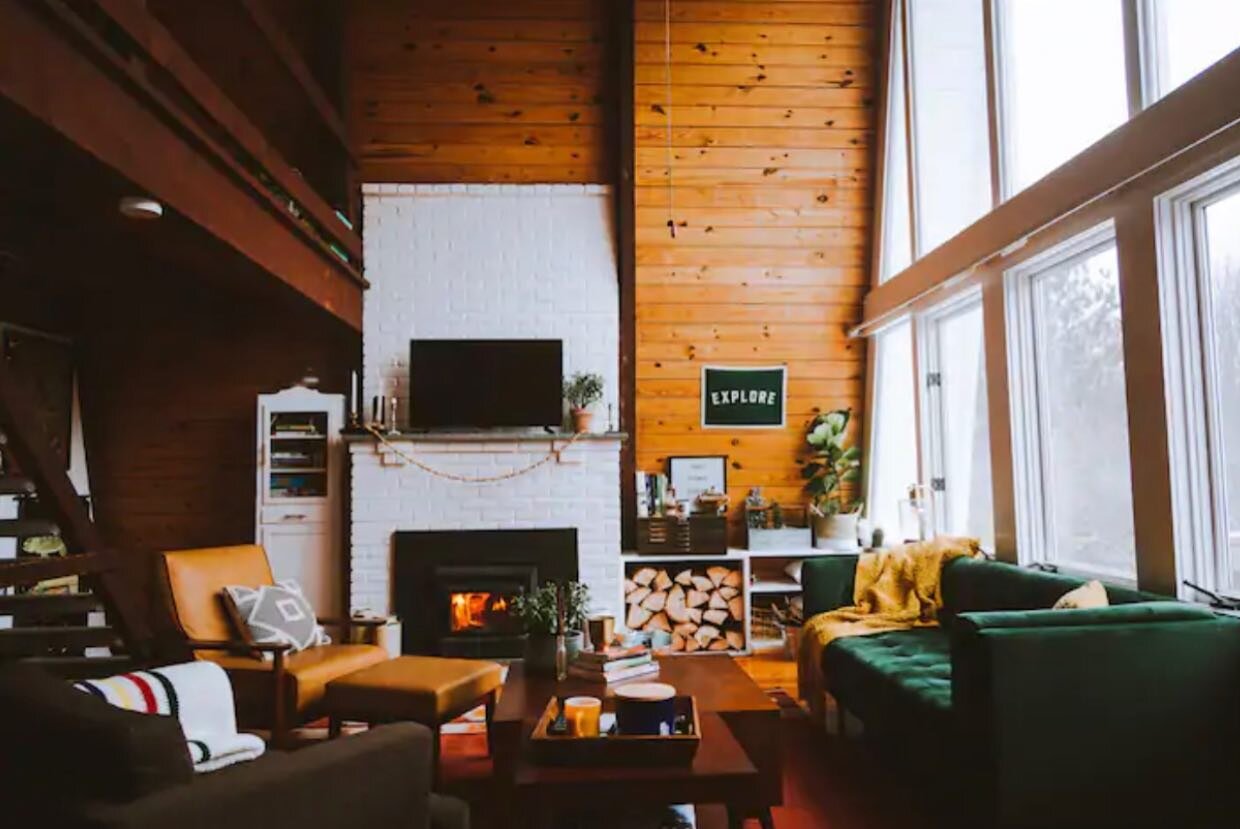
pixel 349 622
pixel 233 646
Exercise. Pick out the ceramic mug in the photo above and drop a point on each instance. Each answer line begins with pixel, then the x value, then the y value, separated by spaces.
pixel 645 708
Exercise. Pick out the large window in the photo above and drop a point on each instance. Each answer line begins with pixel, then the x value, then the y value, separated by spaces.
pixel 1201 281
pixel 893 427
pixel 955 420
pixel 1063 83
pixel 1069 409
pixel 897 244
pixel 947 49
pixel 1185 37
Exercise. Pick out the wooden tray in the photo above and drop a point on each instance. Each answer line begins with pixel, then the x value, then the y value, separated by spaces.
pixel 618 750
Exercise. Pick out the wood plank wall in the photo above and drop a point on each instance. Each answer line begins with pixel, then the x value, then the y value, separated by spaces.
pixel 481 90
pixel 772 115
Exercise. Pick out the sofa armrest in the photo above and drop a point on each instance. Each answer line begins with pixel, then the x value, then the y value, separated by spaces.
pixel 380 778
pixel 1138 613
pixel 827 583
pixel 1124 716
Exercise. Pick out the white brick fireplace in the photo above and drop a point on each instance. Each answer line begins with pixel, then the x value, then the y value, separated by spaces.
pixel 493 262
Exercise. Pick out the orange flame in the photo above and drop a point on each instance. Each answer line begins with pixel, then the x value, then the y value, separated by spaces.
pixel 469 610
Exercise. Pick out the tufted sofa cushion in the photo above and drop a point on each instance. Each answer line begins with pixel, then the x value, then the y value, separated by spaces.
pixel 893 678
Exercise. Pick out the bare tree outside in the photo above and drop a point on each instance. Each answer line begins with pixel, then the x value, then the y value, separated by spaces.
pixel 1084 415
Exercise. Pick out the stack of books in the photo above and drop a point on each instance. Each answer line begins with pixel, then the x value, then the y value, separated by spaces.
pixel 614 664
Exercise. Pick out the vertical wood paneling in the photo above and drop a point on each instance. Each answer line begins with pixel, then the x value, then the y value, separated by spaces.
pixel 772 120
pixel 477 91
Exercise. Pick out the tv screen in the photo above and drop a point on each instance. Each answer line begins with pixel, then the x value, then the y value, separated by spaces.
pixel 485 383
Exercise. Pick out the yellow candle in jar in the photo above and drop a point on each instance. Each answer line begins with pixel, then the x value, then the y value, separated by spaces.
pixel 583 714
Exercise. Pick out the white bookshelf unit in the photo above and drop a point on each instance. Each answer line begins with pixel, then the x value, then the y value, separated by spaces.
pixel 299 486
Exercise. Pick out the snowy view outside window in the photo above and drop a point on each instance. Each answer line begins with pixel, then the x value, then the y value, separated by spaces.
pixel 1222 239
pixel 965 423
pixel 1078 350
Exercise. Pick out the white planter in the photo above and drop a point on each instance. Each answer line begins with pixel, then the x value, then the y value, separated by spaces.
pixel 836 532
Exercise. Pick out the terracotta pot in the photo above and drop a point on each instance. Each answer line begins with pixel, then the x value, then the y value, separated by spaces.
pixel 581 420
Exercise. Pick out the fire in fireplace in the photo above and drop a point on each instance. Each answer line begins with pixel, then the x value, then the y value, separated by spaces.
pixel 455 589
pixel 480 611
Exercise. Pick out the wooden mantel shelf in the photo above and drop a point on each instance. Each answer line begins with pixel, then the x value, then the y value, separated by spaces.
pixel 482 437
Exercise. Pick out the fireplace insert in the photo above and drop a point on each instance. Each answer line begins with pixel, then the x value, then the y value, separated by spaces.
pixel 455 589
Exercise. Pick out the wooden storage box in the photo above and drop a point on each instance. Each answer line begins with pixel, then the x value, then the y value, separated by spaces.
pixel 618 749
pixel 701 535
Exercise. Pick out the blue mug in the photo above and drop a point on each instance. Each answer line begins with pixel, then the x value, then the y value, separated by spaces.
pixel 645 708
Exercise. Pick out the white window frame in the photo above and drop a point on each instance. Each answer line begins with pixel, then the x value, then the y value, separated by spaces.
pixel 1198 487
pixel 1030 452
pixel 872 453
pixel 1138 70
pixel 933 416
pixel 898 62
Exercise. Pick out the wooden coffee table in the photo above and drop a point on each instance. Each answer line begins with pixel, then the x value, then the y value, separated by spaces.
pixel 738 763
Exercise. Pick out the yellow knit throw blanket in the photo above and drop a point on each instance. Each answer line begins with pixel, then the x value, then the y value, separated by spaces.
pixel 896 589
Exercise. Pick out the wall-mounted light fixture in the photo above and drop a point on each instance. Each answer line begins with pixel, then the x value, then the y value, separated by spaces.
pixel 140 207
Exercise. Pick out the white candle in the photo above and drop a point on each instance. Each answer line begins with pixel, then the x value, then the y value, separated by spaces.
pixel 353 412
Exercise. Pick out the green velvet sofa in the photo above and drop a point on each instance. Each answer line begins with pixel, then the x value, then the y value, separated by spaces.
pixel 1024 717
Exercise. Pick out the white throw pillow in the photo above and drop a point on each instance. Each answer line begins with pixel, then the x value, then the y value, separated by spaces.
pixel 1089 595
pixel 794 570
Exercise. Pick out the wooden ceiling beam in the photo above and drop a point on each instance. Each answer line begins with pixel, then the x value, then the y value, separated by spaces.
pixel 164 50
pixel 66 77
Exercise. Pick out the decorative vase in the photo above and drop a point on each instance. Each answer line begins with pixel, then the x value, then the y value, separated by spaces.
pixel 581 420
pixel 836 532
pixel 540 651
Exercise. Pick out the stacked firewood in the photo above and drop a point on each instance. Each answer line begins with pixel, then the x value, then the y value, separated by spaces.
pixel 702 608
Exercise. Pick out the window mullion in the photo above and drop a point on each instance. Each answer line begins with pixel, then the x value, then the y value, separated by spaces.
pixel 989 33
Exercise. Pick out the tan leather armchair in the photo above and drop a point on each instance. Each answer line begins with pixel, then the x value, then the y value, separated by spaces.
pixel 279 693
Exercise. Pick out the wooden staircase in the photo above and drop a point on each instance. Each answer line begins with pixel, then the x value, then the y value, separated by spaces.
pixel 60 631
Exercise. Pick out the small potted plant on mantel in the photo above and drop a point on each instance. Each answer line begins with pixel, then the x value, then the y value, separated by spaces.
pixel 539 612
pixel 582 391
pixel 832 465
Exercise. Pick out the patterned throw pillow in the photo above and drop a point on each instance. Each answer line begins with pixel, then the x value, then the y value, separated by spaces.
pixel 275 613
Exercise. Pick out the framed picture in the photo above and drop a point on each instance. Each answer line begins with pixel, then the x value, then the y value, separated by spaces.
pixel 691 475
pixel 744 397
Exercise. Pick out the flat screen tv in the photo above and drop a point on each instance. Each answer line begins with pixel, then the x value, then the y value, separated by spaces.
pixel 479 384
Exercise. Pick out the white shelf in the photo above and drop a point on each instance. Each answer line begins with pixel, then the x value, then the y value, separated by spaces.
pixel 766 644
pixel 287 436
pixel 792 552
pixel 775 586
pixel 730 555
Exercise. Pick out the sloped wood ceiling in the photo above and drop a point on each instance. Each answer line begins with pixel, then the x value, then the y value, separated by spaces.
pixel 481 91
pixel 772 122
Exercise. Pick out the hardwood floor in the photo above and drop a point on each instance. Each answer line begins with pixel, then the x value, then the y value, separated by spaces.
pixel 829 783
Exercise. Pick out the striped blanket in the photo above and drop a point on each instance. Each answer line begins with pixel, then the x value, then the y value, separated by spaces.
pixel 199 695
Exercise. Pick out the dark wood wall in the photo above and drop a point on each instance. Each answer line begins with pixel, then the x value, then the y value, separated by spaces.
pixel 171 433
pixel 482 91
pixel 175 335
pixel 772 121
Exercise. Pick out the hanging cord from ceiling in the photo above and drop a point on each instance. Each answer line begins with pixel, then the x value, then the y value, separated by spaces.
pixel 667 106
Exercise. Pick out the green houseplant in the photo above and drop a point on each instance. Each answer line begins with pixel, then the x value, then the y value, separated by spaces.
pixel 538 614
pixel 832 465
pixel 582 391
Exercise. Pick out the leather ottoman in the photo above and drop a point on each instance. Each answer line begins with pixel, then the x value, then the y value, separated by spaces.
pixel 424 689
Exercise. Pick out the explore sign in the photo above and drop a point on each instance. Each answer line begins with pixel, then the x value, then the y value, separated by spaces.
pixel 743 397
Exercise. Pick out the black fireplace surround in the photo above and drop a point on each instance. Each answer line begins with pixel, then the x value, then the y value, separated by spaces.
pixel 453 588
